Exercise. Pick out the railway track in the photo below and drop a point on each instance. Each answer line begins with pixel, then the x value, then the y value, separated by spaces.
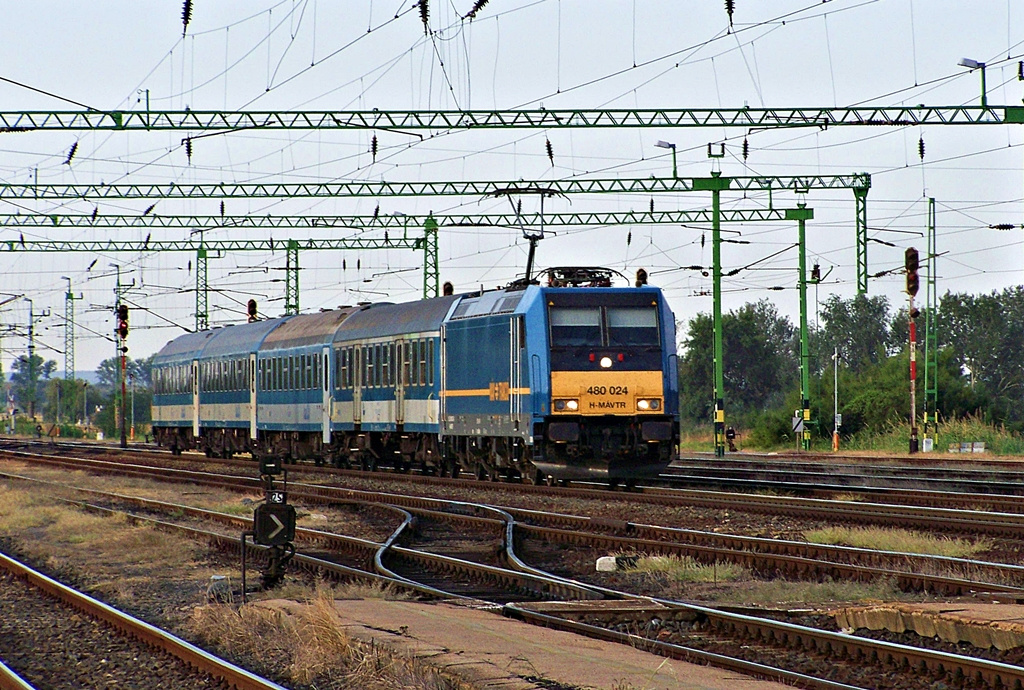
pixel 47 645
pixel 952 500
pixel 806 648
pixel 801 560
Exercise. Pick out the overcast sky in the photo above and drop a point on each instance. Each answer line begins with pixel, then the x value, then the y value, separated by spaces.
pixel 336 55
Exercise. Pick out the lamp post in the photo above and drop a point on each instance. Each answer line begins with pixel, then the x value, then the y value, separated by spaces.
pixel 669 145
pixel 973 65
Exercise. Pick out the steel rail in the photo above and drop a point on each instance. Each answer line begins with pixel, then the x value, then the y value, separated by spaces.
pixel 9 680
pixel 140 630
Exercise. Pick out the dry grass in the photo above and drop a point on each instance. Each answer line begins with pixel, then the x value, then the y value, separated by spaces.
pixel 787 592
pixel 905 541
pixel 314 646
pixel 848 497
pixel 685 569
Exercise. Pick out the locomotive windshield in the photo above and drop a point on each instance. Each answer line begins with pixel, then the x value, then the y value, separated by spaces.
pixel 576 326
pixel 604 326
pixel 632 326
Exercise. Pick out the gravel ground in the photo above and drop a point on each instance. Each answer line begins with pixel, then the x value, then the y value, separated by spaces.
pixel 52 646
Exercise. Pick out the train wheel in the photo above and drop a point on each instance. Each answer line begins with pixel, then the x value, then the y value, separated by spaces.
pixel 630 485
pixel 613 484
pixel 455 469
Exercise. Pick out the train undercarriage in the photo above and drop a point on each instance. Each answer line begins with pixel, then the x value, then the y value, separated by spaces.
pixel 611 449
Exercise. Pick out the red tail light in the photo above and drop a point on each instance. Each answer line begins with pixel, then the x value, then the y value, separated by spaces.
pixel 622 357
pixel 592 358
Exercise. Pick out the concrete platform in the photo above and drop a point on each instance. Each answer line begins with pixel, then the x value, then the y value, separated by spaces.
pixel 494 652
pixel 983 624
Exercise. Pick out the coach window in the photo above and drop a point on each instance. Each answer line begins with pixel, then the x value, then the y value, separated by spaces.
pixel 430 361
pixel 423 362
pixel 303 372
pixel 311 379
pixel 414 362
pixel 378 367
pixel 351 380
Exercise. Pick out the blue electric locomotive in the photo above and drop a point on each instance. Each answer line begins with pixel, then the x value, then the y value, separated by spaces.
pixel 539 383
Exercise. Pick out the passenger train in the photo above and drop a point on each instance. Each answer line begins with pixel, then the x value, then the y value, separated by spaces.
pixel 574 379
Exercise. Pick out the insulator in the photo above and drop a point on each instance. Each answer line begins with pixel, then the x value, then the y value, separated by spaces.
pixel 629 238
pixel 652 204
pixel 702 240
pixel 920 147
pixel 95 210
pixel 188 150
pixel 477 6
pixel 1020 71
pixel 222 208
pixel 425 15
pixel 373 147
pixel 359 264
pixel 376 212
pixel 519 208
pixel 71 153
pixel 149 210
pixel 386 240
pixel 550 150
pixel 344 265
pixel 746 148
pixel 730 7
pixel 186 16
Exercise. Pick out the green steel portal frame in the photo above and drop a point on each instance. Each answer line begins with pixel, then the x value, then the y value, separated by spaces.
pixel 428 242
pixel 246 190
pixel 757 118
pixel 860 183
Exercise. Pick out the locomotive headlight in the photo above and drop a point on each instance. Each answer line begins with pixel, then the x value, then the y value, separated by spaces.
pixel 572 404
pixel 606 362
pixel 643 404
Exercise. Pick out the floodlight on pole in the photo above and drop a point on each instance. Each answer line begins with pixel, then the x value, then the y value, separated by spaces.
pixel 661 144
pixel 973 65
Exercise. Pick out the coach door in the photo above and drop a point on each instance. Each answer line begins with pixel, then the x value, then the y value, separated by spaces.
pixel 357 383
pixel 252 396
pixel 195 398
pixel 515 380
pixel 396 371
pixel 325 389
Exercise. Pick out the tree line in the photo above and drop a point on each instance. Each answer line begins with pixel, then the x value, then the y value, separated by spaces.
pixel 39 398
pixel 980 344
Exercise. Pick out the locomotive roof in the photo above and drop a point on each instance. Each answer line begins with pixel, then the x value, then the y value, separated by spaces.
pixel 307 329
pixel 396 319
pixel 184 347
pixel 241 339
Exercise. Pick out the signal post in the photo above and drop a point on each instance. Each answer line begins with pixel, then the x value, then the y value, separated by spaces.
pixel 911 263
